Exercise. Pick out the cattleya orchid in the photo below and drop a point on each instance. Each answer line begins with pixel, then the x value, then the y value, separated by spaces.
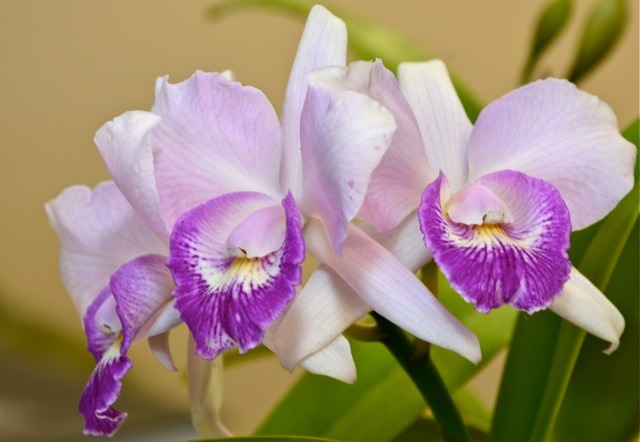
pixel 540 162
pixel 243 195
pixel 234 198
pixel 499 204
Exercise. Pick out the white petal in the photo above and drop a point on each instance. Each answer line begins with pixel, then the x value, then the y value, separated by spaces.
pixel 324 308
pixel 126 150
pixel 551 130
pixel 394 291
pixel 334 360
pixel 323 43
pixel 343 137
pixel 98 231
pixel 587 307
pixel 405 242
pixel 444 125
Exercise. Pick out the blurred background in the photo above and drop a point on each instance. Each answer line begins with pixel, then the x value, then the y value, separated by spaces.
pixel 68 66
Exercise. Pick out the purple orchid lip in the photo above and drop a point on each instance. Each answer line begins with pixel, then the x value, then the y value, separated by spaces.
pixel 523 263
pixel 138 290
pixel 227 300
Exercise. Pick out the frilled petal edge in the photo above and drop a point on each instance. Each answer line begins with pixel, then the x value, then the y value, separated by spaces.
pixel 229 300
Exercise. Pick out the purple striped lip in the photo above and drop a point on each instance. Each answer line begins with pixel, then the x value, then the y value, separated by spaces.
pixel 227 299
pixel 489 260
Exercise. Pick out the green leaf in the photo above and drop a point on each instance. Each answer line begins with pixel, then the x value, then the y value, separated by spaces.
pixel 356 412
pixel 267 439
pixel 551 22
pixel 601 32
pixel 360 412
pixel 614 416
pixel 367 40
pixel 544 348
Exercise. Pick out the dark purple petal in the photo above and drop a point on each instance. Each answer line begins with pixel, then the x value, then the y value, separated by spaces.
pixel 138 291
pixel 101 391
pixel 141 288
pixel 227 300
pixel 523 263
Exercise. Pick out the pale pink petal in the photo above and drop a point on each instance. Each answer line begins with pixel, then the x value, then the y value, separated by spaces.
pixel 444 125
pixel 393 291
pixel 553 131
pixel 405 242
pixel 323 43
pixel 585 306
pixel 334 360
pixel 477 205
pixel 98 231
pixel 326 306
pixel 397 183
pixel 215 137
pixel 126 150
pixel 344 136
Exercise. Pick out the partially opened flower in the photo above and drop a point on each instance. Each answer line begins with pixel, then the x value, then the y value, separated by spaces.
pixel 540 162
pixel 113 268
pixel 243 196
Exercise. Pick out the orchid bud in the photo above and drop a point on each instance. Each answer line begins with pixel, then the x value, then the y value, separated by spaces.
pixel 601 33
pixel 550 24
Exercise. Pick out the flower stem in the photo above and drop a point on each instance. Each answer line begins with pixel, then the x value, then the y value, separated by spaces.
pixel 426 378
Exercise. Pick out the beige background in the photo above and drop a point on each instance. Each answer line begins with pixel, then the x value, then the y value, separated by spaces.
pixel 69 66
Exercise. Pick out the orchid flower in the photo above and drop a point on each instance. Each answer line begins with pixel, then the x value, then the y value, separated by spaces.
pixel 434 143
pixel 244 196
pixel 540 162
pixel 112 266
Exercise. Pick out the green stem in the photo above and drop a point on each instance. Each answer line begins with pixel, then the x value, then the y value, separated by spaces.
pixel 426 378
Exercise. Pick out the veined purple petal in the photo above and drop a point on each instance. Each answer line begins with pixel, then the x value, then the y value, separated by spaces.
pixel 444 124
pixel 103 387
pixel 102 390
pixel 140 289
pixel 215 137
pixel 523 263
pixel 392 290
pixel 125 146
pixel 227 300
